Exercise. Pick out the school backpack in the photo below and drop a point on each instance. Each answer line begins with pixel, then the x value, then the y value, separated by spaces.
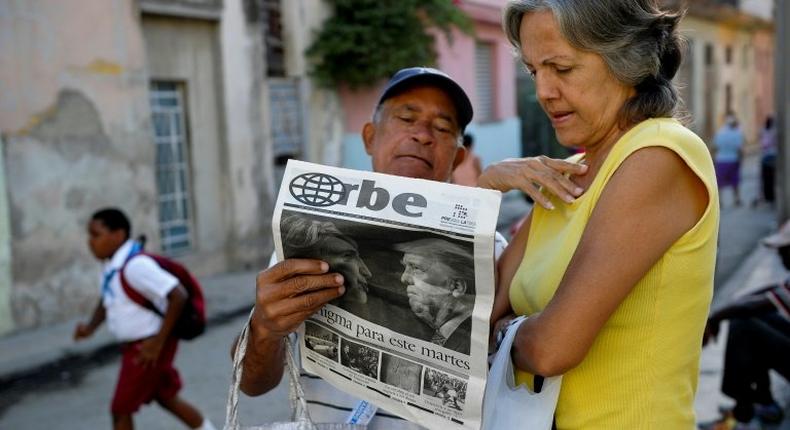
pixel 192 321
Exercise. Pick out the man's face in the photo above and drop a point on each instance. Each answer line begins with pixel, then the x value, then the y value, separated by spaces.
pixel 427 285
pixel 102 241
pixel 417 135
pixel 343 257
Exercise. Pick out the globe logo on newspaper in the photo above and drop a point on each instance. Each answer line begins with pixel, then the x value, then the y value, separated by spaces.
pixel 317 189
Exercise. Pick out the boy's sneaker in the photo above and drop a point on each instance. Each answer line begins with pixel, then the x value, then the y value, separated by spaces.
pixel 771 413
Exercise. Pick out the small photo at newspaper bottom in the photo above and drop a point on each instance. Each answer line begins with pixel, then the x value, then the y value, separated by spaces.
pixel 449 390
pixel 400 373
pixel 321 340
pixel 416 283
pixel 360 358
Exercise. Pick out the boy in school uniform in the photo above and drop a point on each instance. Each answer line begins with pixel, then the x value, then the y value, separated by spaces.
pixel 149 347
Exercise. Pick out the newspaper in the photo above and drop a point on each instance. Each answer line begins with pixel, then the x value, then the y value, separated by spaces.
pixel 410 333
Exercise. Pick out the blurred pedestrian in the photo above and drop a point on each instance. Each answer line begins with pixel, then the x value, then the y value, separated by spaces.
pixel 149 346
pixel 758 341
pixel 617 282
pixel 769 143
pixel 728 153
pixel 470 169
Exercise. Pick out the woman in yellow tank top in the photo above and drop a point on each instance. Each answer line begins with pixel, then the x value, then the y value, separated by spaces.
pixel 615 266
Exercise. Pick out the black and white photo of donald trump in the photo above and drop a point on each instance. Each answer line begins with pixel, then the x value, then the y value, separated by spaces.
pixel 439 278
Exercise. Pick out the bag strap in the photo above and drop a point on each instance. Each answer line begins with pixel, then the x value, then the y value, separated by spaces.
pixel 130 292
pixel 296 393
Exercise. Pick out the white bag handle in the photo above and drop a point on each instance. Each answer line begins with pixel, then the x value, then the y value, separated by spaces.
pixel 507 406
pixel 296 393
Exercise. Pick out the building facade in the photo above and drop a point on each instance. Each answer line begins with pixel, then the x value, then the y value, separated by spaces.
pixel 728 66
pixel 157 107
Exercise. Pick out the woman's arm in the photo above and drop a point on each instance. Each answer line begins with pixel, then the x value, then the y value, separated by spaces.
pixel 507 265
pixel 648 204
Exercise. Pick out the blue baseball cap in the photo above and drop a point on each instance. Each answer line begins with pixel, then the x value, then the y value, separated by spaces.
pixel 417 76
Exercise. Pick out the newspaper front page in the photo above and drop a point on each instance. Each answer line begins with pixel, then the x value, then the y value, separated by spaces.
pixel 410 334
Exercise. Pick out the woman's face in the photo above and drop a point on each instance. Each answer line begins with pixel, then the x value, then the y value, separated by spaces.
pixel 343 257
pixel 574 87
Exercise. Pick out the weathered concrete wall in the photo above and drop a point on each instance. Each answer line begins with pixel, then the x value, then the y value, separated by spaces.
pixel 186 51
pixel 75 117
pixel 6 322
pixel 248 142
pixel 302 19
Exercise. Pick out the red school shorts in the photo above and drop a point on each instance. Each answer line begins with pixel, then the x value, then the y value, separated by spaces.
pixel 138 384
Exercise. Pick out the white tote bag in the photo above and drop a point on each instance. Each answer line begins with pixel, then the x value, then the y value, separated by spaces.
pixel 300 415
pixel 507 406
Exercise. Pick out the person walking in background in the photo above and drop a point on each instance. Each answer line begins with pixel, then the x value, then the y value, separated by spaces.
pixel 758 341
pixel 728 153
pixel 617 282
pixel 470 169
pixel 149 346
pixel 769 142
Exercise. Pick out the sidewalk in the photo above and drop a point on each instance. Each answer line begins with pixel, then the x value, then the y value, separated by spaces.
pixel 29 352
pixel 762 267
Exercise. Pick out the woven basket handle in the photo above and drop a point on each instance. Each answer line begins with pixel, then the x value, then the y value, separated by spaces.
pixel 296 393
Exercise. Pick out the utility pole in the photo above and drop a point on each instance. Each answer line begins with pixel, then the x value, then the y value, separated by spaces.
pixel 782 56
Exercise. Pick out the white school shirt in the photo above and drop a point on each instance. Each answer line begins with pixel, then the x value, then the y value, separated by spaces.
pixel 327 404
pixel 127 320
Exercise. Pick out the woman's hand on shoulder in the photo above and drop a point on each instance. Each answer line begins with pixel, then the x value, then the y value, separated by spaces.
pixel 530 173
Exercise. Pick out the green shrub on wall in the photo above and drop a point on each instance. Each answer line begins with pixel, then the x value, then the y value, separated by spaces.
pixel 367 40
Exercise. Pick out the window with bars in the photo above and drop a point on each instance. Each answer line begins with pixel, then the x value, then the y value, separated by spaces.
pixel 172 166
pixel 484 81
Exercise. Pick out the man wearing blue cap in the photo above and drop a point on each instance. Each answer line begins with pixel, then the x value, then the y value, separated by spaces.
pixel 416 131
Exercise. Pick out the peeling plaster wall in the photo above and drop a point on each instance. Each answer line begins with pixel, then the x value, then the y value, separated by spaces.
pixel 6 321
pixel 249 143
pixel 186 51
pixel 75 119
pixel 302 20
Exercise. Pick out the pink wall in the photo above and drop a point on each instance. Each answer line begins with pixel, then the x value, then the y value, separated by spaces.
pixel 457 60
pixel 358 105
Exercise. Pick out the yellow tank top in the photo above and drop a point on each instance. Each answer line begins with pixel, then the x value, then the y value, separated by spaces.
pixel 641 372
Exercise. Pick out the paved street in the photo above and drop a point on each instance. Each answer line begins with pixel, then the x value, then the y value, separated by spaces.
pixel 77 397
pixel 81 401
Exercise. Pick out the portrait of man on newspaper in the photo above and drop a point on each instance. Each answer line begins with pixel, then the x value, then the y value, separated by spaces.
pixel 374 284
pixel 304 237
pixel 439 278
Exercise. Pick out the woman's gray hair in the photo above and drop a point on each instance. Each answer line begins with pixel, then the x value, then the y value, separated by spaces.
pixel 638 42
